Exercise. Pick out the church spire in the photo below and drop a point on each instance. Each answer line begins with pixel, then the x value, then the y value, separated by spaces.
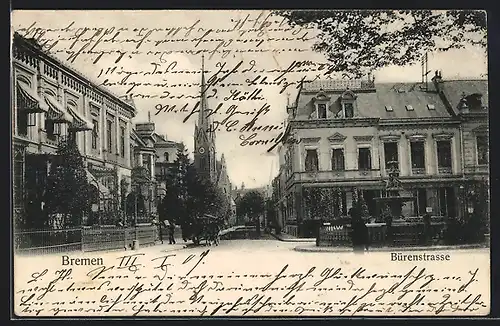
pixel 202 116
pixel 204 122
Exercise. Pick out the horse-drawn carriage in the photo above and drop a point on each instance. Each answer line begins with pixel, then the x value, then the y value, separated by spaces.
pixel 206 227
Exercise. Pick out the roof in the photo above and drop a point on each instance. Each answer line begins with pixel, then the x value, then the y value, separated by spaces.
pixel 135 137
pixel 372 103
pixel 162 142
pixel 35 46
pixel 455 89
pixel 337 85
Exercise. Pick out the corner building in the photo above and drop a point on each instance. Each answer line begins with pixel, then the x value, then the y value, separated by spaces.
pixel 349 132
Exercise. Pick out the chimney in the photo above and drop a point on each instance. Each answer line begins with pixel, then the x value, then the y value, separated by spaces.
pixel 438 81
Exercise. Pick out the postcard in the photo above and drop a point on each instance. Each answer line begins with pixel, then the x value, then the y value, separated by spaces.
pixel 248 163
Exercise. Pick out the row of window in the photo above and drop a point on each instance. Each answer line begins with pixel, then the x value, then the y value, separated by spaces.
pixel 109 136
pixel 53 129
pixel 348 109
pixel 417 153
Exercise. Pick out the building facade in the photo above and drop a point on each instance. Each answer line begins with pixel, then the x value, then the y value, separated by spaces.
pixel 51 101
pixel 348 133
pixel 166 154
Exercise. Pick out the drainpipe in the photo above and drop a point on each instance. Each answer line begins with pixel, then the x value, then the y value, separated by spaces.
pixel 462 160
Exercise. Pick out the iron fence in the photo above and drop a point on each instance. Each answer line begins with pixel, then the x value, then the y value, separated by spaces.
pixel 402 234
pixel 48 240
pixel 43 241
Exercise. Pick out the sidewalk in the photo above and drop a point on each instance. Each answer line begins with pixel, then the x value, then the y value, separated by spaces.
pixel 289 238
pixel 314 248
pixel 166 247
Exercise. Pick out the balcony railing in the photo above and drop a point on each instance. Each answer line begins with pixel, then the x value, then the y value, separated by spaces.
pixel 418 171
pixel 337 175
pixel 444 170
pixel 479 169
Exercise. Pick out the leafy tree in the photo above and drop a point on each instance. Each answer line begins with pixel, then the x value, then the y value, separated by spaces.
pixel 173 206
pixel 358 41
pixel 223 205
pixel 188 195
pixel 67 198
pixel 252 206
pixel 270 205
pixel 363 207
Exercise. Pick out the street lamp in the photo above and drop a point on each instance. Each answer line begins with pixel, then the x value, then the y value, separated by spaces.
pixel 464 200
pixel 97 208
pixel 137 192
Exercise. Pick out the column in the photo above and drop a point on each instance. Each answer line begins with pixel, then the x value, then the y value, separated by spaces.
pixel 323 164
pixel 14 105
pixel 152 166
pixel 377 148
pixel 117 139
pixel 405 166
pixel 102 130
pixel 87 135
pixel 127 143
pixel 140 159
pixel 40 117
pixel 456 164
pixel 430 157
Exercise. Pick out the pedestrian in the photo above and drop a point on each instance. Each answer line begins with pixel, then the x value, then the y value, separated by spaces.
pixel 171 230
pixel 184 231
pixel 427 227
pixel 358 230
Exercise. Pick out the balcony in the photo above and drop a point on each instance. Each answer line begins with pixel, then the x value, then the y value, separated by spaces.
pixel 444 170
pixel 417 171
pixel 337 175
pixel 477 169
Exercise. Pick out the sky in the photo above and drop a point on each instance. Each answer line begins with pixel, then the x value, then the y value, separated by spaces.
pixel 171 47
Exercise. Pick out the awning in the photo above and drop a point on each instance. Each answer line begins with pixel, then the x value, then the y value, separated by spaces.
pixel 57 112
pixel 93 181
pixel 29 100
pixel 80 123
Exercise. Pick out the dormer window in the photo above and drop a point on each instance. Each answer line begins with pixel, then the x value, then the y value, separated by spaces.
pixel 348 109
pixel 321 101
pixel 409 108
pixel 388 108
pixel 321 111
pixel 474 101
pixel 431 106
pixel 348 100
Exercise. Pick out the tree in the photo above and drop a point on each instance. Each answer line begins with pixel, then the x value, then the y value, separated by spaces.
pixel 363 207
pixel 173 206
pixel 67 198
pixel 358 41
pixel 252 205
pixel 270 204
pixel 188 195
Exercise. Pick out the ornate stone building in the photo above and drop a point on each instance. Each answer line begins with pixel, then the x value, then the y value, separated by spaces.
pixel 347 134
pixel 166 154
pixel 153 157
pixel 50 101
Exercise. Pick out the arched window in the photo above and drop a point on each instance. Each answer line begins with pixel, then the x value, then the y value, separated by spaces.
pixel 166 156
